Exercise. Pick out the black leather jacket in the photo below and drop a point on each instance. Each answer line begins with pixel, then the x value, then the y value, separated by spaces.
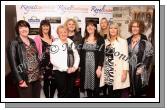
pixel 17 58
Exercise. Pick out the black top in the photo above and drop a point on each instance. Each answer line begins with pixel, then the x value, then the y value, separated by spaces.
pixel 105 36
pixel 77 38
pixel 45 62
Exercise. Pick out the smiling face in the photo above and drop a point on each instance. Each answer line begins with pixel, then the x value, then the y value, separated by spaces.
pixel 135 28
pixel 71 25
pixel 45 29
pixel 62 33
pixel 23 31
pixel 91 28
pixel 104 24
pixel 113 31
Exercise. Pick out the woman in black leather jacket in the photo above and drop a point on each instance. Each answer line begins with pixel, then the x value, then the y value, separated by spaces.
pixel 24 62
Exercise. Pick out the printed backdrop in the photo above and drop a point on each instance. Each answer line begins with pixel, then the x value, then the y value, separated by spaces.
pixel 58 14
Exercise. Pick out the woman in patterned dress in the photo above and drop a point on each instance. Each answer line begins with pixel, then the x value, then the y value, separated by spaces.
pixel 92 57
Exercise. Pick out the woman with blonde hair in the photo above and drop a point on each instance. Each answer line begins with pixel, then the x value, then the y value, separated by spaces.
pixel 73 30
pixel 104 28
pixel 63 65
pixel 116 65
pixel 73 34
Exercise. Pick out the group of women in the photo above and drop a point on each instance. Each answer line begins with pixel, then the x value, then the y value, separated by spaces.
pixel 97 63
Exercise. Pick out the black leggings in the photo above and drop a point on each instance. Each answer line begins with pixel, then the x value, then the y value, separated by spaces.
pixel 47 84
pixel 47 88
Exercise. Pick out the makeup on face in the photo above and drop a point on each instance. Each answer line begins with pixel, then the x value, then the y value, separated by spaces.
pixel 45 28
pixel 71 26
pixel 135 28
pixel 103 24
pixel 23 31
pixel 113 31
pixel 91 28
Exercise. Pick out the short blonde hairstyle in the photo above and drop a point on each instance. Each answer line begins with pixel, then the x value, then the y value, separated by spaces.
pixel 61 27
pixel 75 22
pixel 114 25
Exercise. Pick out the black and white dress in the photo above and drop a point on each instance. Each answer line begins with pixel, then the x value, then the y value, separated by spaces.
pixel 89 66
pixel 109 65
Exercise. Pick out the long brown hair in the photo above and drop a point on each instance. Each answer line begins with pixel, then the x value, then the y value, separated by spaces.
pixel 45 22
pixel 91 22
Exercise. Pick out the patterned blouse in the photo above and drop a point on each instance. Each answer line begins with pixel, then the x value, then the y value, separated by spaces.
pixel 32 63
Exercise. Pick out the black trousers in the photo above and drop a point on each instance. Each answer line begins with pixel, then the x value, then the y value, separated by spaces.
pixel 59 83
pixel 120 93
pixel 93 93
pixel 32 91
pixel 72 90
pixel 113 93
pixel 104 90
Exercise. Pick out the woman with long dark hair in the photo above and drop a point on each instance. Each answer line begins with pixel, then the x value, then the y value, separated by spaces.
pixel 92 57
pixel 43 42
